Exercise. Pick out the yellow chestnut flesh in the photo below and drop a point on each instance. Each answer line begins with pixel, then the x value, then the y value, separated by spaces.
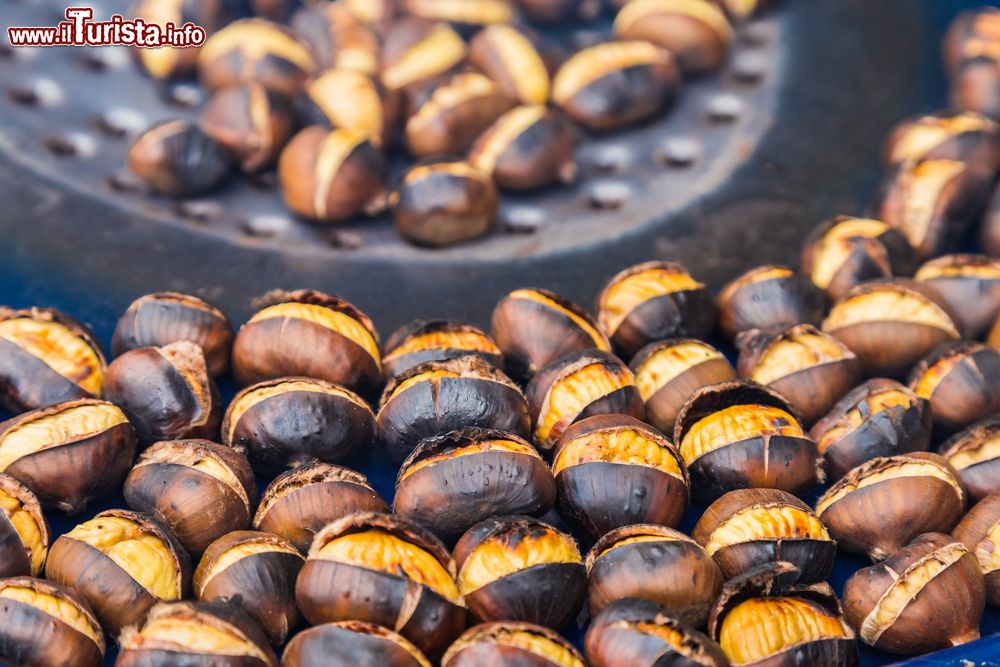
pixel 231 556
pixel 734 424
pixel 192 634
pixel 933 271
pixel 803 350
pixel 669 362
pixel 970 456
pixel 439 50
pixel 765 523
pixel 928 179
pixel 328 318
pixel 553 652
pixel 52 430
pixel 856 416
pixel 26 527
pixel 503 133
pixel 904 469
pixel 624 446
pixel 55 607
pixel 762 627
pixel 571 394
pixel 888 305
pixel 256 40
pixel 625 295
pixel 591 64
pixel 703 12
pixel 932 376
pixel 837 244
pixel 496 558
pixel 445 340
pixel 924 137
pixel 68 354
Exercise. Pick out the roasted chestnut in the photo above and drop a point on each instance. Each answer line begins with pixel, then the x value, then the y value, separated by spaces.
pixel 555 11
pixel 69 454
pixel 351 100
pixel 975 454
pixel 881 505
pixel 979 531
pixel 24 533
pixel 311 334
pixel 812 368
pixel 166 392
pixel 161 318
pixel 195 633
pixel 668 372
pixel 878 418
pixel 961 383
pixel 45 624
pixel 260 570
pixel 738 435
pixel 474 473
pixel 470 13
pixel 337 39
pixel 298 503
pixel 250 122
pixel 613 471
pixel 970 286
pixel 177 158
pixel 760 619
pixel 845 251
pixel 383 569
pixel 46 357
pixel 288 422
pixel 891 604
pixel 511 643
pixel 891 325
pixel 653 301
pixel 697 32
pixel 440 396
pixel 415 51
pixel 767 297
pixel 351 643
pixel 534 327
pixel 528 147
pixel 975 85
pixel 950 135
pixel 375 13
pixel 121 563
pixel 256 50
pixel 508 56
pixel 579 385
pixel 643 633
pixel 748 527
pixel 198 489
pixel 443 203
pixel 421 341
pixel 165 62
pixel 611 85
pixel 653 563
pixel 517 568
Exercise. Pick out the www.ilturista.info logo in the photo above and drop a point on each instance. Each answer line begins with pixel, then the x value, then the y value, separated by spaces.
pixel 79 29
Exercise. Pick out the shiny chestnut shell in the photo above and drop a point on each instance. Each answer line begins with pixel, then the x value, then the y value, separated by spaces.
pixel 696 32
pixel 404 43
pixel 950 135
pixel 178 159
pixel 970 286
pixel 420 341
pixel 766 297
pixel 961 383
pixel 979 531
pixel 511 643
pixel 24 532
pixel 250 122
pixel 508 56
pixel 161 318
pixel 975 454
pixel 349 643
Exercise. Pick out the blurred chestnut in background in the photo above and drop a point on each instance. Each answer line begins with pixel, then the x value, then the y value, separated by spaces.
pixel 878 418
pixel 697 32
pixel 250 122
pixel 420 341
pixel 69 454
pixel 767 297
pixel 975 454
pixel 177 158
pixel 469 14
pixel 511 643
pixel 169 62
pixel 960 381
pixel 883 504
pixel 350 643
pixel 351 100
pixel 405 45
pixel 161 318
pixel 975 85
pixel 970 287
pixel 970 35
pixel 979 531
pixel 24 532
pixel 949 135
pixel 507 55
pixel 613 471
pixel 337 39
pixel 45 358
pixel 554 11
pixel 653 563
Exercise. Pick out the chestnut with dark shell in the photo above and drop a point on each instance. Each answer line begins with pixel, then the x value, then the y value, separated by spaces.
pixel 509 56
pixel 970 286
pixel 250 122
pixel 420 341
pixel 948 135
pixel 696 32
pixel 511 643
pixel 337 39
pixel 979 531
pixel 24 532
pixel 961 383
pixel 767 297
pixel 347 643
pixel 975 454
pixel 178 159
pixel 405 39
pixel 350 100
pixel 174 63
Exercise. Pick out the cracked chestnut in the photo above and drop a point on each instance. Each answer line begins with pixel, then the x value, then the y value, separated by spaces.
pixel 351 643
pixel 161 318
pixel 198 489
pixel 475 473
pixel 508 56
pixel 300 502
pixel 337 39
pixel 653 301
pixel 511 643
pixel 415 51
pixel 441 396
pixel 386 570
pixel 518 568
pixel 655 563
pixel 421 341
pixel 950 135
pixel 767 297
pixel 178 159
pixel 45 358
pixel 975 454
pixel 961 383
pixel 979 531
pixel 350 100
pixel 121 563
pixel 613 471
pixel 872 510
pixel 697 32
pixel 166 392
pixel 970 286
pixel 738 435
pixel 891 604
pixel 250 122
pixel 311 334
pixel 643 633
pixel 173 63
pixel 258 569
pixel 469 14
pixel 24 532
pixel 377 14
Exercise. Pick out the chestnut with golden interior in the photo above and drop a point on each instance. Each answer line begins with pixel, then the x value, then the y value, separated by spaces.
pixel 415 51
pixel 961 383
pixel 933 577
pixel 351 643
pixel 337 39
pixel 950 135
pixel 979 531
pixel 511 643
pixel 386 570
pixel 767 297
pixel 24 532
pixel 469 14
pixel 252 123
pixel 420 341
pixel 696 32
pixel 507 55
pixel 351 100
pixel 613 471
pixel 970 286
pixel 975 454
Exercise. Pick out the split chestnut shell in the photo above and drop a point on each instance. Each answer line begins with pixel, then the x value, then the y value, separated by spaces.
pixel 970 286
pixel 979 531
pixel 975 454
pixel 696 32
pixel 351 643
pixel 961 383
pixel 508 56
pixel 511 643
pixel 421 341
pixel 766 297
pixel 24 532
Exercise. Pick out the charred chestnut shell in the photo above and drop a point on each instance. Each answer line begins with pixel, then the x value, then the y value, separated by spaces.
pixel 441 396
pixel 511 643
pixel 508 56
pixel 653 301
pixel 351 100
pixel 350 643
pixel 24 532
pixel 951 135
pixel 748 527
pixel 420 341
pixel 178 159
pixel 653 563
pixel 259 569
pixel 311 334
pixel 337 39
pixel 613 471
pixel 42 623
pixel 767 297
pixel 643 633
pixel 934 577
pixel 970 286
pixel 741 435
pixel 69 454
pixel 535 327
pixel 404 48
pixel 161 318
pixel 45 358
pixel 517 568
pixel 288 422
pixel 961 383
pixel 300 502
pixel 383 569
pixel 878 418
pixel 252 123
pixel 121 563
pixel 881 505
pixel 975 454
pixel 979 531
pixel 474 473
pixel 696 32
